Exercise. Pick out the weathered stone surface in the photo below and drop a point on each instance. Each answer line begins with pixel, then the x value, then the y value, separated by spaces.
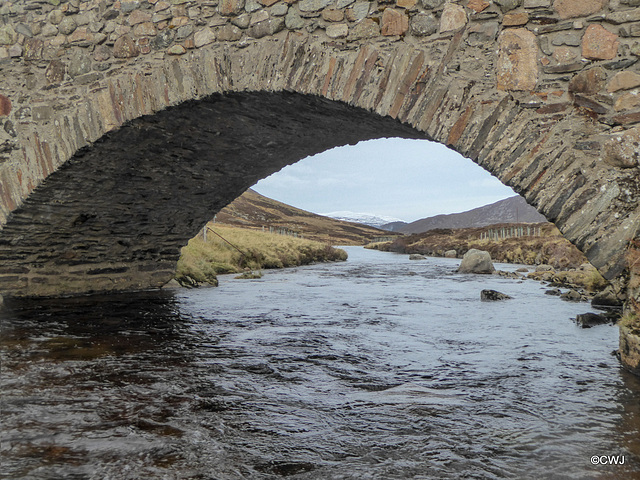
pixel 627 101
pixel 578 8
pixel 625 16
pixel 424 24
pixel 55 72
pixel 230 7
pixel 293 20
pixel 517 67
pixel 332 15
pixel 478 5
pixel 67 25
pixel 258 17
pixel 338 30
pixel 599 44
pixel 564 55
pixel 80 64
pixel 508 5
pixel 229 33
pixel 406 3
pixel 139 16
pixel 623 81
pixel 313 5
pixel 146 29
pixel 125 47
pixel 176 50
pixel 515 19
pixel 476 261
pixel 493 296
pixel 5 106
pixel 365 29
pixel 621 150
pixel 432 4
pixel 589 81
pixel 267 27
pixel 394 22
pixel 242 21
pixel 358 11
pixel 204 37
pixel 453 18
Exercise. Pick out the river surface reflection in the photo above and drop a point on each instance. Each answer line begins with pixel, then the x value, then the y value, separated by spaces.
pixel 375 368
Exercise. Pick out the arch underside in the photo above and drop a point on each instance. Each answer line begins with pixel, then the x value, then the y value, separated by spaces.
pixel 115 215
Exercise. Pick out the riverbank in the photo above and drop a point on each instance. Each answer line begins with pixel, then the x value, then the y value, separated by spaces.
pixel 236 250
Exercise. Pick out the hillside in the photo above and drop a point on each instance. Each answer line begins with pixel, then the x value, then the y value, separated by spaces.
pixel 254 211
pixel 511 210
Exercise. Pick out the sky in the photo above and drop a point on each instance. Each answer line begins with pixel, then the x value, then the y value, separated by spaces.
pixel 400 178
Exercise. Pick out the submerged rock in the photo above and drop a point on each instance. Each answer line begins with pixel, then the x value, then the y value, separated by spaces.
pixel 476 261
pixel 493 295
pixel 416 256
pixel 571 296
pixel 588 320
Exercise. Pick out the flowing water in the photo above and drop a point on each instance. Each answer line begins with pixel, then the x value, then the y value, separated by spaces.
pixel 375 368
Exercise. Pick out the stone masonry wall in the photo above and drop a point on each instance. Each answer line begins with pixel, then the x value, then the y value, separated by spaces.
pixel 542 93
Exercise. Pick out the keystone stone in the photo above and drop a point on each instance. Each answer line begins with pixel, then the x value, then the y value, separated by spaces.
pixel 599 44
pixel 394 22
pixel 517 66
pixel 453 18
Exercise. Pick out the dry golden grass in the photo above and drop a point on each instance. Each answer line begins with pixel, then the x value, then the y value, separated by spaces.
pixel 256 250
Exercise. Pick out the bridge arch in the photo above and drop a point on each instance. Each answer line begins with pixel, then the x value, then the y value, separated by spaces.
pixel 126 103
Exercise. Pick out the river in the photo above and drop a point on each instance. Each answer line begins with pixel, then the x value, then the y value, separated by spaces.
pixel 375 368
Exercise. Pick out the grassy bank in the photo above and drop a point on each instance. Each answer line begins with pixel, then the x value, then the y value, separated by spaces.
pixel 201 261
pixel 550 247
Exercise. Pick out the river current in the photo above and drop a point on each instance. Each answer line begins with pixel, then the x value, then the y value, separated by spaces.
pixel 375 368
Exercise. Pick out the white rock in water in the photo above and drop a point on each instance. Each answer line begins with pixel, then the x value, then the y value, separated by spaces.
pixel 476 261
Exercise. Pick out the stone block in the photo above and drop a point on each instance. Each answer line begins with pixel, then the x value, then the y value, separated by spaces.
pixel 267 27
pixel 313 5
pixel 589 81
pixel 292 20
pixel 176 50
pixel 332 15
pixel 478 5
pixel 259 16
pixel 147 29
pixel 623 81
pixel 406 3
pixel 337 30
pixel 394 22
pixel 139 16
pixel 230 7
pixel 125 47
pixel 564 54
pixel 229 33
pixel 515 19
pixel 8 35
pixel 5 106
pixel 365 29
pixel 517 66
pixel 424 24
pixel 599 43
pixel 453 18
pixel 627 101
pixel 67 26
pixel 578 8
pixel 358 11
pixel 203 37
pixel 621 150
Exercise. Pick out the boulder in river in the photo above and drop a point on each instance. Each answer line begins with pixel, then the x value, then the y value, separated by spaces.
pixel 476 261
pixel 588 320
pixel 416 256
pixel 571 296
pixel 493 295
pixel 450 254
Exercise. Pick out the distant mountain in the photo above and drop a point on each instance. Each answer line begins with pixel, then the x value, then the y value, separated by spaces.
pixel 511 210
pixel 363 218
pixel 254 211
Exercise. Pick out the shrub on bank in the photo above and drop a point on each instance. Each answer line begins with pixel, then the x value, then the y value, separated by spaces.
pixel 237 250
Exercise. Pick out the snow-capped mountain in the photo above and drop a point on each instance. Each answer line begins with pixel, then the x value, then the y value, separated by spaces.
pixel 363 218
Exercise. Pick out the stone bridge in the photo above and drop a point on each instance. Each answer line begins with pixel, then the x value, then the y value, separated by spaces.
pixel 127 124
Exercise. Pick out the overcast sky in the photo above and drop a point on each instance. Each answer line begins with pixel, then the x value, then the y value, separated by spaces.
pixel 405 179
